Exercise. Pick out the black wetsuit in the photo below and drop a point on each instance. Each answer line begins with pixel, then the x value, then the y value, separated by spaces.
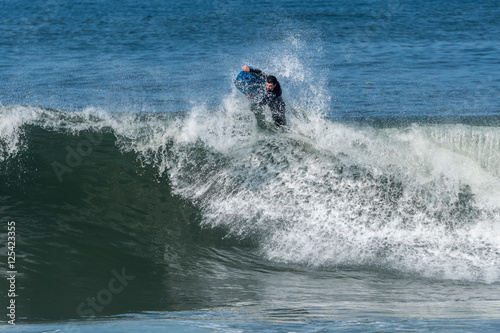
pixel 273 99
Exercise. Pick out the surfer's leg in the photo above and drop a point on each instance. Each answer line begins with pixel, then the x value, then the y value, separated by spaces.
pixel 258 111
pixel 278 113
pixel 279 120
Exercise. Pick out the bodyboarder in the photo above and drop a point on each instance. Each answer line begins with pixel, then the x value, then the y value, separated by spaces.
pixel 271 96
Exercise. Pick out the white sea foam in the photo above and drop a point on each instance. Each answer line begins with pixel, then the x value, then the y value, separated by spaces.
pixel 420 199
pixel 330 194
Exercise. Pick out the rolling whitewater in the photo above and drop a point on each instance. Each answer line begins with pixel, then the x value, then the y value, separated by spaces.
pixel 146 197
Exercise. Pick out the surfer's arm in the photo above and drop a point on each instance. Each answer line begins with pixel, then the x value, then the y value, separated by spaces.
pixel 256 71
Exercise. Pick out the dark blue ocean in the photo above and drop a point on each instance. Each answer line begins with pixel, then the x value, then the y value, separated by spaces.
pixel 139 193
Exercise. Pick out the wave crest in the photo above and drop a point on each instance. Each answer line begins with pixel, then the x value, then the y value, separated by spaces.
pixel 420 199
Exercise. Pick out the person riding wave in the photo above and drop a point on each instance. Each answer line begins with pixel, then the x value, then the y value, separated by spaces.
pixel 271 96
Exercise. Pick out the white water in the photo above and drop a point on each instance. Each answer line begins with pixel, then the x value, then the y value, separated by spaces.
pixel 423 199
pixel 326 194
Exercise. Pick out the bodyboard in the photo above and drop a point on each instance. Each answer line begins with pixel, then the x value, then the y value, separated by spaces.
pixel 250 83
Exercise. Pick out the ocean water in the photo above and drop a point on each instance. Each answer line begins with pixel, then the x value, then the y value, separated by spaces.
pixel 142 195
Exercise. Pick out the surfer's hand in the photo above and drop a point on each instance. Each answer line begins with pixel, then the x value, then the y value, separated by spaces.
pixel 246 69
pixel 248 95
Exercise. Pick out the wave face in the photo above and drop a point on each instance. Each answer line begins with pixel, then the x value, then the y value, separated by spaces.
pixel 420 199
